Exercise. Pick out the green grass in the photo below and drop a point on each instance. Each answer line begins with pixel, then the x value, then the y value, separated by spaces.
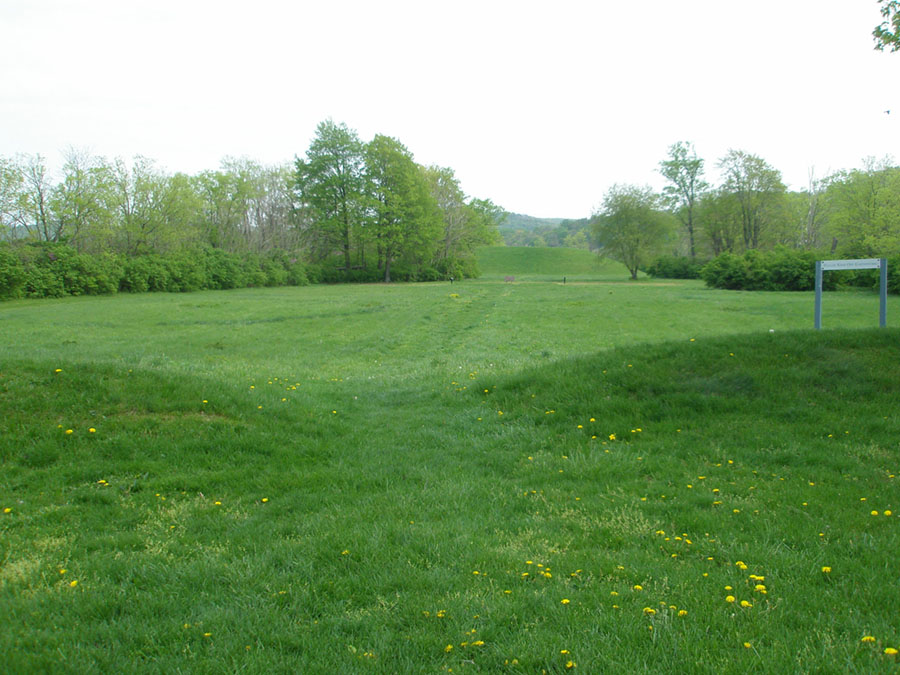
pixel 547 264
pixel 308 480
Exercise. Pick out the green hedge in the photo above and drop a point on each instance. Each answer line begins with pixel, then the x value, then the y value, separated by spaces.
pixel 786 269
pixel 53 270
pixel 675 267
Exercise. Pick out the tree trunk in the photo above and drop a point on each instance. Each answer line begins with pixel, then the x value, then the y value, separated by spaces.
pixel 387 269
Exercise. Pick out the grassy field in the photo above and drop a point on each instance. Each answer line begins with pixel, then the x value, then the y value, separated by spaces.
pixel 547 264
pixel 483 477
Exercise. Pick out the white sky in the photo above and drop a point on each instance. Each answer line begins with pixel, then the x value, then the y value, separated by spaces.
pixel 538 106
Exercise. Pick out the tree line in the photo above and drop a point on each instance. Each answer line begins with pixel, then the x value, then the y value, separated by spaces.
pixel 348 210
pixel 848 214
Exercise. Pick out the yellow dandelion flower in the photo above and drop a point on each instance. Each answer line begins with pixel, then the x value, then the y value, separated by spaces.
pixel 649 611
pixel 874 513
pixel 868 638
pixel 265 499
pixel 745 604
pixel 887 513
pixel 448 648
pixel 826 570
pixel 8 509
pixel 747 645
pixel 73 583
pixel 890 651
pixel 638 587
pixel 729 598
pixel 682 612
pixel 612 437
pixel 565 601
pixel 71 431
pixel 570 665
pixel 345 552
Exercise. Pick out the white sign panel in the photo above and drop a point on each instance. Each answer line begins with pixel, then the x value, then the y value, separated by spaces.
pixel 858 264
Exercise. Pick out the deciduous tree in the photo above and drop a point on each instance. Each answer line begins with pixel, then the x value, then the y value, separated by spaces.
pixel 684 171
pixel 758 189
pixel 405 216
pixel 330 183
pixel 630 226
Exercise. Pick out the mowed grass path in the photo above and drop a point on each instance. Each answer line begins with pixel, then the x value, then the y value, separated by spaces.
pixel 526 477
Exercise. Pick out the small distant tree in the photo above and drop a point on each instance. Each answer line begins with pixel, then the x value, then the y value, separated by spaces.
pixel 577 240
pixel 630 226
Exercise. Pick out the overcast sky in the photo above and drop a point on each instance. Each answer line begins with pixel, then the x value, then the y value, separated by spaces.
pixel 539 106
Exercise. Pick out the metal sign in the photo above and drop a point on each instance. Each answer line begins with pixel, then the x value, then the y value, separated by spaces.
pixel 858 264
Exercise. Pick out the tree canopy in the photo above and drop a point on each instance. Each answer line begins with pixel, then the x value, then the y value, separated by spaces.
pixel 887 33
pixel 631 226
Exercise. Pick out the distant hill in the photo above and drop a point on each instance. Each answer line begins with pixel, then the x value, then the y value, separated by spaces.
pixel 519 221
pixel 521 230
pixel 527 263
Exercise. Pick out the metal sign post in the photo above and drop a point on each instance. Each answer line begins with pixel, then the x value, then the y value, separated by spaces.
pixel 858 264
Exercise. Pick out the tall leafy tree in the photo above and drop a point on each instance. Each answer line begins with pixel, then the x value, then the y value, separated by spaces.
pixel 157 213
pixel 12 196
pixel 864 209
pixel 331 184
pixel 719 222
pixel 405 216
pixel 84 201
pixel 33 212
pixel 467 222
pixel 630 226
pixel 684 171
pixel 758 189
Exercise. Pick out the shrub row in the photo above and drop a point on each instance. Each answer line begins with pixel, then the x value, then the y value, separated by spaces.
pixel 332 272
pixel 781 269
pixel 675 267
pixel 55 270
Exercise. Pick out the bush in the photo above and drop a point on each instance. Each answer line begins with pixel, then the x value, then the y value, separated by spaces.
pixel 186 271
pixel 12 273
pixel 791 270
pixel 252 273
pixel 145 273
pixel 726 271
pixel 783 269
pixel 274 273
pixel 893 272
pixel 675 267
